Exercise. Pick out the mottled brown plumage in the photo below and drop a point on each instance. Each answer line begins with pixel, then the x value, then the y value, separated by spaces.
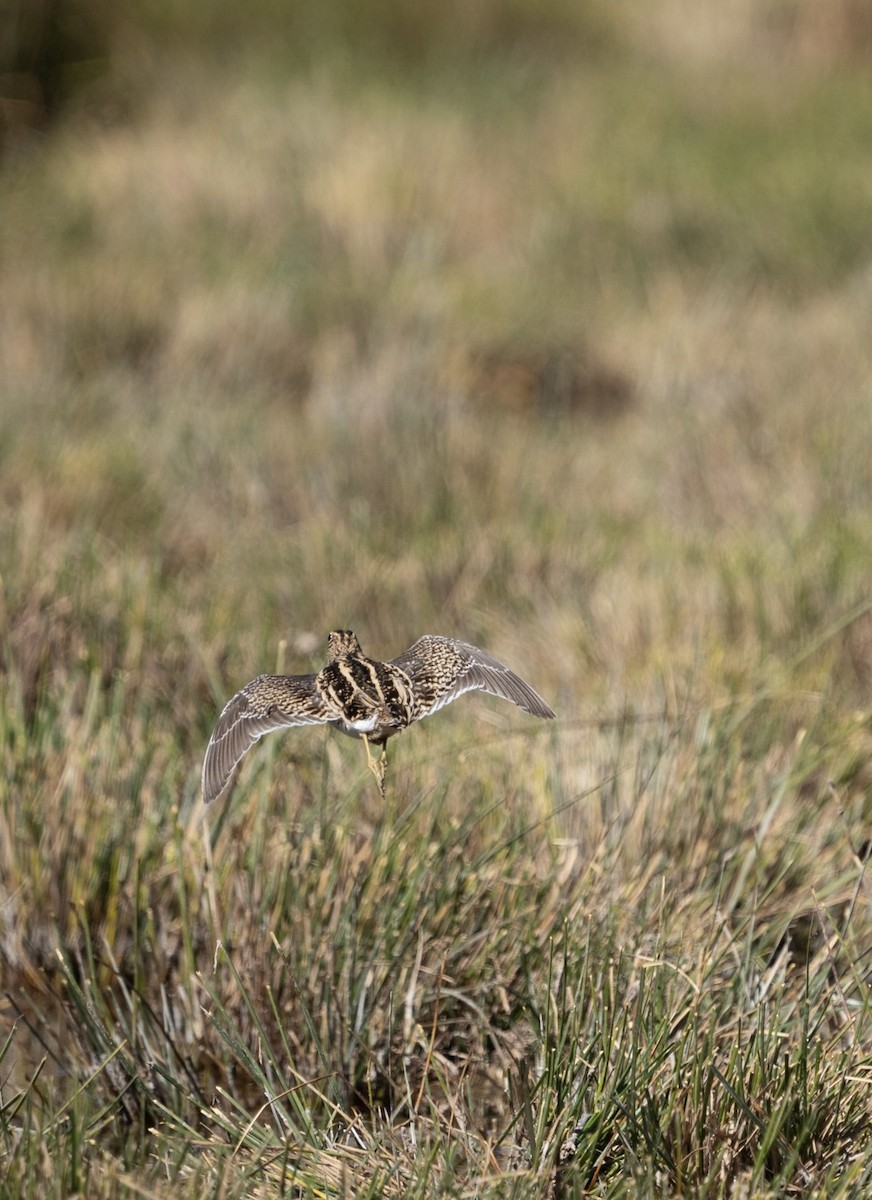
pixel 361 697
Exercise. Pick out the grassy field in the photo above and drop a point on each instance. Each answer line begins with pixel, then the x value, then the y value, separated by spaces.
pixel 550 330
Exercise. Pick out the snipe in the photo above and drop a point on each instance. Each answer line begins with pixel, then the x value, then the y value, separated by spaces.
pixel 361 697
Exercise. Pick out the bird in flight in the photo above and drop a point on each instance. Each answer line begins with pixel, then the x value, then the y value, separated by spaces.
pixel 361 697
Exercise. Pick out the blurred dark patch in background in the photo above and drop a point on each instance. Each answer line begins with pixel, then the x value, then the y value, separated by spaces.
pixel 51 51
pixel 547 381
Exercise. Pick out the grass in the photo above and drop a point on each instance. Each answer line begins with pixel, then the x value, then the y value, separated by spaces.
pixel 570 363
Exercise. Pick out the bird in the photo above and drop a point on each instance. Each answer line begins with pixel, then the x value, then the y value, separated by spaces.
pixel 361 697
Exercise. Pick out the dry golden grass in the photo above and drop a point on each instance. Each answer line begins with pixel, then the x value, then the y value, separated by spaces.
pixel 571 363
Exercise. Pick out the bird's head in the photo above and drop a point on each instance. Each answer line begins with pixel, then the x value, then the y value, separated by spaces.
pixel 342 641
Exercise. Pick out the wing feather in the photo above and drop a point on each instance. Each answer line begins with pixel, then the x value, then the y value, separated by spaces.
pixel 441 669
pixel 266 703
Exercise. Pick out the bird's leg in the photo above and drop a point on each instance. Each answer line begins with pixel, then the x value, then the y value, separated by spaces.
pixel 377 768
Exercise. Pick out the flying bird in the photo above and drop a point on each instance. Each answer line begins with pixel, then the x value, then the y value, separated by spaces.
pixel 361 697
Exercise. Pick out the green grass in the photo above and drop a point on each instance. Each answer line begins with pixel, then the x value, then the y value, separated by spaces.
pixel 572 363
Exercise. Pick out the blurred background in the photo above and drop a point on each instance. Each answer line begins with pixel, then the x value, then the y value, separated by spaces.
pixel 543 325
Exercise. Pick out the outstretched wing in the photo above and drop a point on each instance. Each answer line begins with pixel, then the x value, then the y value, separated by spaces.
pixel 441 669
pixel 267 703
